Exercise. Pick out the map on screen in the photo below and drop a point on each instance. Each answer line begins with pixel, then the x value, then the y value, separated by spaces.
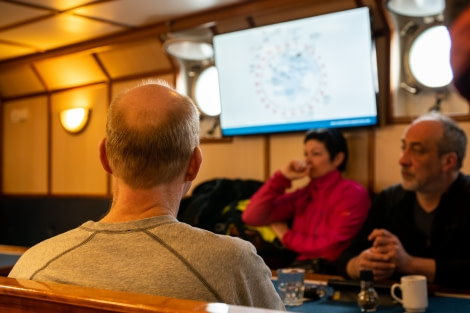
pixel 296 75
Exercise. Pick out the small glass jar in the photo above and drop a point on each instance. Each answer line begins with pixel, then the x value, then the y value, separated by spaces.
pixel 367 299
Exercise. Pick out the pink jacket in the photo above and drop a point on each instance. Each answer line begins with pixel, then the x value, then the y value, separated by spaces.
pixel 324 215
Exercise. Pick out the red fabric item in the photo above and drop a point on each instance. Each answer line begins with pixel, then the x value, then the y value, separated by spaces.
pixel 460 52
pixel 325 214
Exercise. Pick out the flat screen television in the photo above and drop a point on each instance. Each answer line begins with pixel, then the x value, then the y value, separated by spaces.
pixel 307 73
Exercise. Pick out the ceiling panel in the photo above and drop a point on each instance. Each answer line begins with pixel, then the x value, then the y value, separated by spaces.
pixel 19 80
pixel 60 30
pixel 10 51
pixel 135 58
pixel 12 13
pixel 70 71
pixel 59 5
pixel 144 12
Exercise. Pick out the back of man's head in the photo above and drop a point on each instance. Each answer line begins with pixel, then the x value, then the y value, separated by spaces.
pixel 151 134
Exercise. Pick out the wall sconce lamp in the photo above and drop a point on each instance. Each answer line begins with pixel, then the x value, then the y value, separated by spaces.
pixel 74 120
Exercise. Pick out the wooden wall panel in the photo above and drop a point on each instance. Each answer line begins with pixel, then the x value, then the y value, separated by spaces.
pixel 25 146
pixel 75 160
pixel 244 158
pixel 283 149
pixel 359 163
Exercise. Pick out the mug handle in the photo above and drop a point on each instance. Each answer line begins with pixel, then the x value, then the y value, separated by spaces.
pixel 392 292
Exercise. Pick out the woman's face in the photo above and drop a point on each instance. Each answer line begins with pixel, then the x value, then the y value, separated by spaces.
pixel 317 156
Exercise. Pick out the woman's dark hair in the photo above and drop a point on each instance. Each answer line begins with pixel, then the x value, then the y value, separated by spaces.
pixel 333 140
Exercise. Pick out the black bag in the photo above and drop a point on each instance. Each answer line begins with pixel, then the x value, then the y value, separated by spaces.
pixel 215 206
pixel 268 246
pixel 204 207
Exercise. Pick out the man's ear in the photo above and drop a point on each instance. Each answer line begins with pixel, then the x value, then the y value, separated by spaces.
pixel 449 161
pixel 104 156
pixel 194 164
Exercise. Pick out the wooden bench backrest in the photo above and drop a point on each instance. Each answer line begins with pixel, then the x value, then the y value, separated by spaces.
pixel 20 296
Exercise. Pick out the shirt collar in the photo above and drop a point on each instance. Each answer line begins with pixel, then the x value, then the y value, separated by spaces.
pixel 325 181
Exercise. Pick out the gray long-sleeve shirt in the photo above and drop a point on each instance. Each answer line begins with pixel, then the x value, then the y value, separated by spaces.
pixel 159 256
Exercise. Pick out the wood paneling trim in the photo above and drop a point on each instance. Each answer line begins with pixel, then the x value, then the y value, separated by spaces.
pixel 20 296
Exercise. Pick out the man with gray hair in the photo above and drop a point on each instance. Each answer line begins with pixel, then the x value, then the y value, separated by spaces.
pixel 152 151
pixel 418 226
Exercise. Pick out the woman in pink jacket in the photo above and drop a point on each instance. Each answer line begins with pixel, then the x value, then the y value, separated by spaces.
pixel 317 221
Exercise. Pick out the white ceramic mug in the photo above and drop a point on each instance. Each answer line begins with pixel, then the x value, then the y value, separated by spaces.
pixel 414 290
pixel 290 285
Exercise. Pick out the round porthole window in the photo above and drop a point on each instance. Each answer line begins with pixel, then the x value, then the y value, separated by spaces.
pixel 206 92
pixel 429 57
